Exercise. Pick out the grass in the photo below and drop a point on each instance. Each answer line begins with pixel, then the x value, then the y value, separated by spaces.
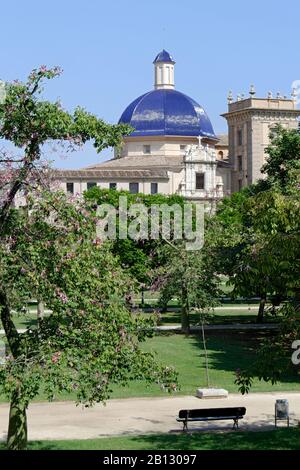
pixel 280 439
pixel 226 353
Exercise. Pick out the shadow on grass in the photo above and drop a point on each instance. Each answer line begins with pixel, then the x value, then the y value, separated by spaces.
pixel 175 317
pixel 280 439
pixel 263 440
pixel 237 350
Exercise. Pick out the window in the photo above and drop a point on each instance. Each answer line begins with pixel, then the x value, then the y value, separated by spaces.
pixel 240 184
pixel 199 180
pixel 147 149
pixel 220 155
pixel 154 188
pixel 183 147
pixel 160 74
pixel 133 188
pixel 112 185
pixel 240 137
pixel 240 163
pixel 168 74
pixel 90 184
pixel 70 188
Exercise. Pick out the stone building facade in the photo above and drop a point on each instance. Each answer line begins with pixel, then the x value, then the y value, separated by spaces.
pixel 174 149
pixel 250 122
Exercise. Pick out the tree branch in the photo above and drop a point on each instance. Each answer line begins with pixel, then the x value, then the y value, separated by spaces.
pixel 32 152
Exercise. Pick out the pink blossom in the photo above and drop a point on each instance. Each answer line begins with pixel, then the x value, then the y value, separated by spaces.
pixel 55 357
pixel 62 296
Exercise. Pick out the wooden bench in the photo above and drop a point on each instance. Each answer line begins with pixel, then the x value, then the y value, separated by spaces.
pixel 211 414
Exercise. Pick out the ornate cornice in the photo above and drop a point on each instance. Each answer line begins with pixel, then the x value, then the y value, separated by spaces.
pixel 261 114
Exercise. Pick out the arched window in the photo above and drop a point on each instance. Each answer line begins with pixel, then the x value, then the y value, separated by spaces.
pixel 220 155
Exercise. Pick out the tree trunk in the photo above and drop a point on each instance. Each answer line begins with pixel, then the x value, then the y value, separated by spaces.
pixel 185 310
pixel 260 315
pixel 205 353
pixel 17 427
pixel 143 296
pixel 40 312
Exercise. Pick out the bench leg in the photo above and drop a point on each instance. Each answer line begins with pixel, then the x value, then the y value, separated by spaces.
pixel 185 426
pixel 235 424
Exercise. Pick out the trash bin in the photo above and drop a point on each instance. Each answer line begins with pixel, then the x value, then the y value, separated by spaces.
pixel 282 411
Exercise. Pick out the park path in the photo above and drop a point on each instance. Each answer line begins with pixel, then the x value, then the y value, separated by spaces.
pixel 196 328
pixel 63 420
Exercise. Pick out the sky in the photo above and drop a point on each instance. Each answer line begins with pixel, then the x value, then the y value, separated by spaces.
pixel 106 49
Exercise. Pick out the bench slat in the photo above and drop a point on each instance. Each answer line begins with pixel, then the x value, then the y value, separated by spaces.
pixel 230 413
pixel 211 418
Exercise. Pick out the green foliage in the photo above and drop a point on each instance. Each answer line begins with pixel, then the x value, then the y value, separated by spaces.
pixel 90 340
pixel 282 165
pixel 273 359
pixel 24 118
pixel 50 252
pixel 267 261
pixel 138 257
pixel 189 276
pixel 258 233
pixel 192 268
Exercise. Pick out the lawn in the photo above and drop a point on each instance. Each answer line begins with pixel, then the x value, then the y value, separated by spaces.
pixel 226 353
pixel 280 439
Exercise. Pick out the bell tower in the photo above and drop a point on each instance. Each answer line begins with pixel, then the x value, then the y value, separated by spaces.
pixel 164 71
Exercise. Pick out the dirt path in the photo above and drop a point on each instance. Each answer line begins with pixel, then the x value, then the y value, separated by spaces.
pixel 63 420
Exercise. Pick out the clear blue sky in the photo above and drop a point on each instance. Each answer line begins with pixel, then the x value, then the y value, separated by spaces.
pixel 106 49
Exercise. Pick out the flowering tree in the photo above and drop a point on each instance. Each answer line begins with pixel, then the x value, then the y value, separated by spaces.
pixel 90 340
pixel 50 252
pixel 29 123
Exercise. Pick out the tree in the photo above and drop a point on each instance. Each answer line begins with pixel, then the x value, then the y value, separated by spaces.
pixel 260 228
pixel 274 255
pixel 254 267
pixel 159 263
pixel 282 166
pixel 256 263
pixel 50 251
pixel 269 262
pixel 90 340
pixel 274 357
pixel 231 236
pixel 29 123
pixel 189 276
pixel 138 257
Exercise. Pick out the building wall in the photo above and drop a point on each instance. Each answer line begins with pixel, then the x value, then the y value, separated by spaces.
pixel 171 146
pixel 164 186
pixel 254 119
pixel 222 152
pixel 223 179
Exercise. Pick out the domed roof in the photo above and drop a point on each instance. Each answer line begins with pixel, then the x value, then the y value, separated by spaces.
pixel 167 112
pixel 163 56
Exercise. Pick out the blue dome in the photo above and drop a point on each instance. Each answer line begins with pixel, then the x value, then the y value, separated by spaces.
pixel 164 56
pixel 167 112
